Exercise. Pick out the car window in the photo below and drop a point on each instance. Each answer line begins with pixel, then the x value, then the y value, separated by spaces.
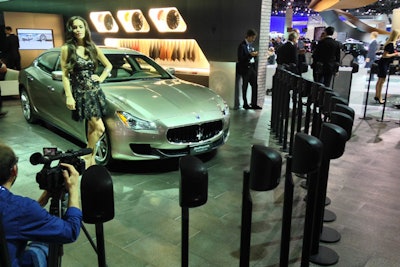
pixel 130 66
pixel 47 61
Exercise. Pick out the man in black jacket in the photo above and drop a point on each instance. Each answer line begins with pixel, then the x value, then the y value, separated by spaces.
pixel 287 53
pixel 247 68
pixel 11 50
pixel 326 58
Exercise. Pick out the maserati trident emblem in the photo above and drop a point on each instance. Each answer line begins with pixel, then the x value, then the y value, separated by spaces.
pixel 199 134
pixel 197 116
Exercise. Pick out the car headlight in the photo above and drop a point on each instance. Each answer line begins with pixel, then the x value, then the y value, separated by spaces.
pixel 135 123
pixel 225 110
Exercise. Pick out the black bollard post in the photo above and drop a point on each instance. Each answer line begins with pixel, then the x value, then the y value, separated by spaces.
pixel 286 107
pixel 264 175
pixel 310 90
pixel 334 139
pixel 287 214
pixel 307 155
pixel 346 122
pixel 318 110
pixel 305 92
pixel 327 104
pixel 193 191
pixel 345 109
pixel 97 197
pixel 296 108
pixel 335 100
pixel 372 71
pixel 392 70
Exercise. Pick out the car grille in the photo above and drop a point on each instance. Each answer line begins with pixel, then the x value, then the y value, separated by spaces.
pixel 194 133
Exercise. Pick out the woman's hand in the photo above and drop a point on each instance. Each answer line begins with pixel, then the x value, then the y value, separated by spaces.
pixel 70 103
pixel 96 78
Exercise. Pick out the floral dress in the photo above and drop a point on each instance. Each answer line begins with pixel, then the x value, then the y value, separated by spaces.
pixel 90 100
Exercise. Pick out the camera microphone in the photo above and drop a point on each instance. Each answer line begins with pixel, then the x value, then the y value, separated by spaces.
pixel 37 158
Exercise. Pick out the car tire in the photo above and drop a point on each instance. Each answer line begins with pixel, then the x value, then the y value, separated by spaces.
pixel 26 106
pixel 103 151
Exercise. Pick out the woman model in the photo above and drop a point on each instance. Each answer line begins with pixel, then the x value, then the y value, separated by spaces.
pixel 79 60
pixel 389 52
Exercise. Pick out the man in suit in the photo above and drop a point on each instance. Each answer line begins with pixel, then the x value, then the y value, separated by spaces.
pixel 287 53
pixel 247 68
pixel 326 58
pixel 11 50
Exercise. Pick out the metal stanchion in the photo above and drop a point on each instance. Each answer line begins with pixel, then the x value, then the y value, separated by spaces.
pixel 392 69
pixel 264 175
pixel 193 192
pixel 333 138
pixel 372 71
pixel 307 155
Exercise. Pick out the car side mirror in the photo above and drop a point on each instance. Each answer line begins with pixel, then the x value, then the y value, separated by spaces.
pixel 56 75
pixel 171 70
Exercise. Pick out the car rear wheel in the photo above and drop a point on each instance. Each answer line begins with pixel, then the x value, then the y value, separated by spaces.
pixel 103 150
pixel 27 109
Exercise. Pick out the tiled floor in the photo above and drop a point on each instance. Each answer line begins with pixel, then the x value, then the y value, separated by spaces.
pixel 363 185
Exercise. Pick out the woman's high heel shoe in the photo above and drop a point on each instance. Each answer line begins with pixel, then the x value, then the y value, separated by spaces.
pixel 378 101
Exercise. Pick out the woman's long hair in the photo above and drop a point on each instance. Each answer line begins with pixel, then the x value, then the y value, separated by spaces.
pixel 71 42
pixel 394 35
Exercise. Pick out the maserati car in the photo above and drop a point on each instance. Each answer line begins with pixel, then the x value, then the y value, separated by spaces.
pixel 151 113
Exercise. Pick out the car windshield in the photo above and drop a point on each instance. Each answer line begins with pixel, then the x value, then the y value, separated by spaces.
pixel 132 67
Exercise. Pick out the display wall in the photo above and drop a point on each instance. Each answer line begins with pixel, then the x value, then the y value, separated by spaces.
pixel 18 20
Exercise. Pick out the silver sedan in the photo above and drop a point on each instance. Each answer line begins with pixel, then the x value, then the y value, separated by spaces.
pixel 151 113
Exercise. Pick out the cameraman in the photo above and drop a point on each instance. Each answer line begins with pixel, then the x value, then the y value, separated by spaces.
pixel 25 220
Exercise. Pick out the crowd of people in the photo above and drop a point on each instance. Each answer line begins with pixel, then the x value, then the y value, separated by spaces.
pixel 326 56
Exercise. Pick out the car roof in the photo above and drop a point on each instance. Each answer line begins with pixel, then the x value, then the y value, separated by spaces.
pixel 108 50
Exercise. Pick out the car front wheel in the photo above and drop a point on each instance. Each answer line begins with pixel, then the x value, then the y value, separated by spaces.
pixel 103 150
pixel 27 109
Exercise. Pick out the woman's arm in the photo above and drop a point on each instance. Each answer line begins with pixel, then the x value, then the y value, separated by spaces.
pixel 387 54
pixel 106 63
pixel 65 79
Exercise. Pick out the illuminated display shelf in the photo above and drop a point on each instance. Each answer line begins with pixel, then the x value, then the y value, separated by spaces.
pixel 184 55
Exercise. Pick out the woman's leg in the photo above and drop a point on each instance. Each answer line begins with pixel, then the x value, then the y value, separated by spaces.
pixel 95 131
pixel 378 88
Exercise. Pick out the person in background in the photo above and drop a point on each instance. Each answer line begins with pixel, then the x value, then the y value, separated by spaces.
pixel 301 51
pixel 79 60
pixel 25 220
pixel 326 57
pixel 247 68
pixel 3 70
pixel 287 53
pixel 389 52
pixel 372 48
pixel 271 56
pixel 11 50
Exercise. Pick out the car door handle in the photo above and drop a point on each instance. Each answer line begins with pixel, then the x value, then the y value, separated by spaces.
pixel 51 88
pixel 30 78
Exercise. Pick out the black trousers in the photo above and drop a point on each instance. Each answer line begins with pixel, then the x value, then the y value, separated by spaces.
pixel 324 78
pixel 250 77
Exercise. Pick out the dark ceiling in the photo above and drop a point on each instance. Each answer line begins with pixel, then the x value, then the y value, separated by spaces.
pixel 82 7
pixel 70 7
pixel 300 7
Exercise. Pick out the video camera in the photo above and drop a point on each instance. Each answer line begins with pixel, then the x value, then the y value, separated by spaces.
pixel 51 178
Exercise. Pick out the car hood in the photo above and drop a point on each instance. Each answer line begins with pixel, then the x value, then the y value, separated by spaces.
pixel 165 100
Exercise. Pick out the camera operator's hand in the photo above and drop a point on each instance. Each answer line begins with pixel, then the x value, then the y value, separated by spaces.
pixel 71 177
pixel 44 198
